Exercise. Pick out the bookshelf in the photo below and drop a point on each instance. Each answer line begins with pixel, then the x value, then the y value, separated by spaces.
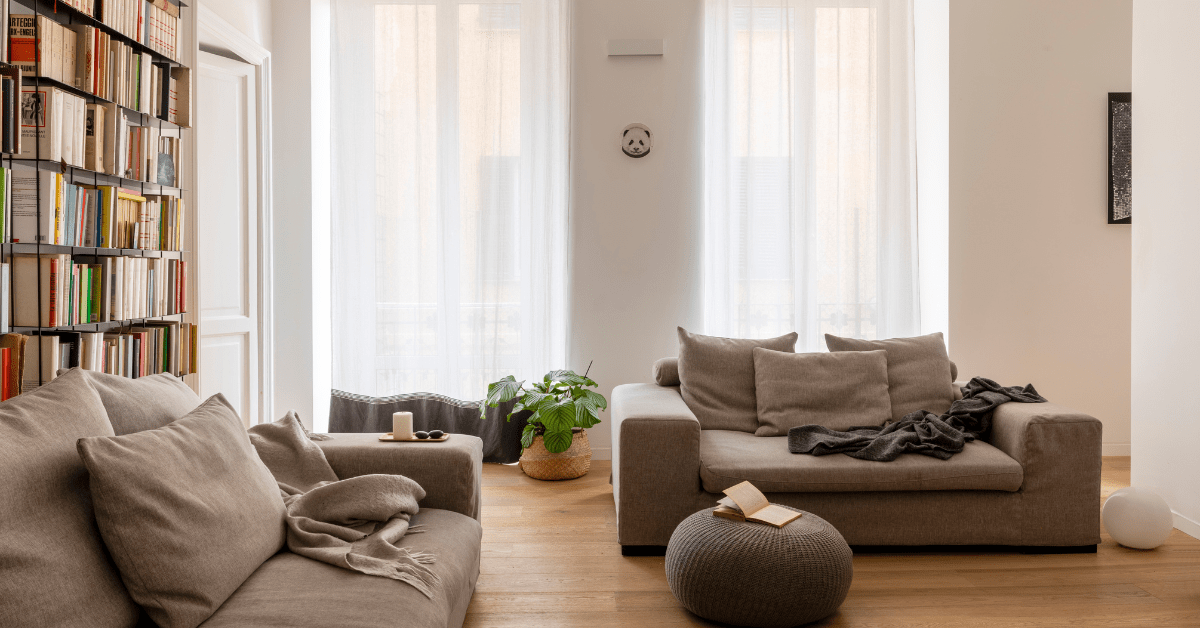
pixel 97 270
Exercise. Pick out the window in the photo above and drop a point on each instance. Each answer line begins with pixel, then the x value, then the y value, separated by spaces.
pixel 809 203
pixel 449 210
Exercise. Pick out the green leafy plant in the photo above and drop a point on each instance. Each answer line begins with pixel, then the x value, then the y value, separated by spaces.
pixel 560 403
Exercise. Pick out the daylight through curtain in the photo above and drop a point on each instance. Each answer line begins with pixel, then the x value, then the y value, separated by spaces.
pixel 449 133
pixel 810 169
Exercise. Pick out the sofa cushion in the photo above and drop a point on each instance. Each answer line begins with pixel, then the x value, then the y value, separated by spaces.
pixel 728 458
pixel 144 403
pixel 666 372
pixel 188 511
pixel 918 371
pixel 54 569
pixel 836 390
pixel 716 378
pixel 290 590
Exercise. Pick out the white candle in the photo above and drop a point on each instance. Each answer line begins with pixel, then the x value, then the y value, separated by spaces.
pixel 402 425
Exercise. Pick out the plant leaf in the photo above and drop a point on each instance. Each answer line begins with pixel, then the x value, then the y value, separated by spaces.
pixel 503 390
pixel 594 399
pixel 585 415
pixel 527 435
pixel 557 441
pixel 533 398
pixel 558 416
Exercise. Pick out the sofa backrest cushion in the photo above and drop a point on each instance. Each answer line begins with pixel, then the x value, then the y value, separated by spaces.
pixel 716 378
pixel 144 403
pixel 54 568
pixel 666 372
pixel 918 370
pixel 187 510
pixel 834 390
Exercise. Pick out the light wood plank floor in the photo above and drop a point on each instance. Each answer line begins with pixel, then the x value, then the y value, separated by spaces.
pixel 550 558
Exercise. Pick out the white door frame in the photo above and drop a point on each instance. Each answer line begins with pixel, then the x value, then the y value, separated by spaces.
pixel 213 30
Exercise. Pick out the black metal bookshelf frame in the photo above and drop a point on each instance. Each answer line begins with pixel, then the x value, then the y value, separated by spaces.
pixel 67 15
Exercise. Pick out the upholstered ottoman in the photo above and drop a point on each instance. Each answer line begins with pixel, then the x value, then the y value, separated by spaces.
pixel 753 574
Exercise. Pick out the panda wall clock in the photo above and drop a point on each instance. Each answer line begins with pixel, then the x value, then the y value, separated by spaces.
pixel 636 140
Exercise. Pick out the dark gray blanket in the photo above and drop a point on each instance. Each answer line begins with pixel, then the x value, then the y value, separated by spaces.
pixel 918 432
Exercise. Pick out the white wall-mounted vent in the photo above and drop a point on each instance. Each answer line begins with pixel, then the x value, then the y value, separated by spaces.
pixel 635 47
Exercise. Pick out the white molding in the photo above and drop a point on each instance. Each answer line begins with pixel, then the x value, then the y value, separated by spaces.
pixel 1116 449
pixel 1187 526
pixel 212 29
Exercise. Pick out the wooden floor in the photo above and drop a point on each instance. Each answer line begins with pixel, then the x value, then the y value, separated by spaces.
pixel 550 558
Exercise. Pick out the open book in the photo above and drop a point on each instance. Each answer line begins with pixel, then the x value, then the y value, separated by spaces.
pixel 743 502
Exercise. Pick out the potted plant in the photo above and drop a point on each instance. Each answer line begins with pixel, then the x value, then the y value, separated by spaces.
pixel 555 445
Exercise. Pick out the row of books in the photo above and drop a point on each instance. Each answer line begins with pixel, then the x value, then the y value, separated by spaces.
pixel 59 126
pixel 48 209
pixel 28 361
pixel 87 58
pixel 56 290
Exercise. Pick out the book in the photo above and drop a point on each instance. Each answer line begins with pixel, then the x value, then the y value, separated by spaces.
pixel 41 362
pixel 744 502
pixel 14 368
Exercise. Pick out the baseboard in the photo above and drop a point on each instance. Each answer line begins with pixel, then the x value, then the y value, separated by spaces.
pixel 1115 449
pixel 1187 526
pixel 601 453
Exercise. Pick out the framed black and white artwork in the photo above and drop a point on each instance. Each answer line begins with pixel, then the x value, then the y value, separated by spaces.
pixel 1120 171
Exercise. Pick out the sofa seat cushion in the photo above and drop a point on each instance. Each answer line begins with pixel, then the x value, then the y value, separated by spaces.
pixel 294 591
pixel 727 458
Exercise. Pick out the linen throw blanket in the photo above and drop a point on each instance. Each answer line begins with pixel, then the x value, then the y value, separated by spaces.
pixel 917 432
pixel 352 523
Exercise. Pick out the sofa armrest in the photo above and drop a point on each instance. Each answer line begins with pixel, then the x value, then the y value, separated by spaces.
pixel 656 462
pixel 451 472
pixel 1060 453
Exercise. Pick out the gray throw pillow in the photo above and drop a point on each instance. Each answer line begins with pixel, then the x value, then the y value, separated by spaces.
pixel 144 403
pixel 666 372
pixel 716 378
pixel 918 371
pixel 54 569
pixel 834 390
pixel 187 510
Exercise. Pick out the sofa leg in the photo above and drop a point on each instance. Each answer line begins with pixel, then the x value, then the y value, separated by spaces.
pixel 643 550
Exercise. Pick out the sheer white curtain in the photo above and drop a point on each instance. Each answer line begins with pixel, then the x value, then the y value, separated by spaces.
pixel 449 213
pixel 809 165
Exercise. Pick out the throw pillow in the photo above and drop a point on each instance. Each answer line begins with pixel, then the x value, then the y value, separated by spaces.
pixel 835 390
pixel 144 403
pixel 918 371
pixel 716 378
pixel 55 570
pixel 666 372
pixel 188 511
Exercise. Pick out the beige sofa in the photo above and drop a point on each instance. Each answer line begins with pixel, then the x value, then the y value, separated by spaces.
pixel 1033 482
pixel 56 571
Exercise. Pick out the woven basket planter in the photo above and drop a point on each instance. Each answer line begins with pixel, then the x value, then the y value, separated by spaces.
pixel 540 464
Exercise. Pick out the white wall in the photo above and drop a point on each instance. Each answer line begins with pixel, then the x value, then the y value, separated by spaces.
pixel 635 223
pixel 1039 283
pixel 1166 258
pixel 301 209
pixel 251 17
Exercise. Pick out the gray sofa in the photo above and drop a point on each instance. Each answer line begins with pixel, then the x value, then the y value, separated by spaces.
pixel 56 571
pixel 1033 482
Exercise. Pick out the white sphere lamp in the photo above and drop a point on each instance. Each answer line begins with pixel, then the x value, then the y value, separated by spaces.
pixel 1138 518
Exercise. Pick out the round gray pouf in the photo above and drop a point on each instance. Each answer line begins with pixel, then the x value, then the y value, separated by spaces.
pixel 753 574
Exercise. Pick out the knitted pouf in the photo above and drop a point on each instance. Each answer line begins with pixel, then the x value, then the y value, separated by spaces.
pixel 754 574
